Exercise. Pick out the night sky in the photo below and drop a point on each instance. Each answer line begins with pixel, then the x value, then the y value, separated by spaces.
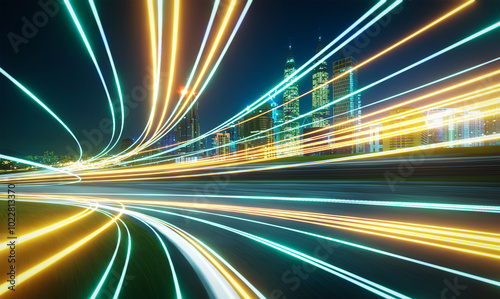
pixel 54 64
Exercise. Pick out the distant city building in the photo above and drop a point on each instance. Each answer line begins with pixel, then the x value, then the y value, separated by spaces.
pixel 320 95
pixel 222 141
pixel 492 124
pixel 291 111
pixel 409 139
pixel 347 111
pixel 187 129
pixel 463 124
pixel 314 144
pixel 126 143
pixel 374 145
pixel 435 119
pixel 258 121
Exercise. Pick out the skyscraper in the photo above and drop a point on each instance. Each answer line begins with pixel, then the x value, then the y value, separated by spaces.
pixel 347 111
pixel 291 110
pixel 320 95
pixel 402 117
pixel 189 128
pixel 464 124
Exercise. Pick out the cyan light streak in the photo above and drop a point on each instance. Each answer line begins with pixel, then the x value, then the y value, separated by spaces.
pixel 343 242
pixel 39 165
pixel 170 262
pixel 339 272
pixel 18 84
pixel 331 117
pixel 127 259
pixel 106 273
pixel 110 57
pixel 288 83
pixel 92 56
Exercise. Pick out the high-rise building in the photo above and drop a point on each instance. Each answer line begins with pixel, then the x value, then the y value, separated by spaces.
pixel 400 122
pixel 258 121
pixel 374 145
pixel 347 107
pixel 435 119
pixel 463 124
pixel 222 142
pixel 290 147
pixel 189 128
pixel 320 95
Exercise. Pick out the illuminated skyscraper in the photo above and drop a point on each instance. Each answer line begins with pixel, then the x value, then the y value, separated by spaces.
pixel 347 111
pixel 321 95
pixel 291 110
pixel 189 128
pixel 258 121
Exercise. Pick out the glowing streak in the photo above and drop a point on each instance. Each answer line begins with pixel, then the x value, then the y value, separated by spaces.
pixel 38 165
pixel 45 230
pixel 416 33
pixel 211 53
pixel 344 274
pixel 103 278
pixel 44 107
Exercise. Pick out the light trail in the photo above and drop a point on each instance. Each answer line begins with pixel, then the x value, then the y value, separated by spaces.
pixel 117 81
pixel 289 82
pixel 383 52
pixel 40 232
pixel 98 69
pixel 32 96
pixel 339 272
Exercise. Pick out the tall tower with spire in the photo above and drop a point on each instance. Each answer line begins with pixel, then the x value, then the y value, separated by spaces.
pixel 320 95
pixel 290 147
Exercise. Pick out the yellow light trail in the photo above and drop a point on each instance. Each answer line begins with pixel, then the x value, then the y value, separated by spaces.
pixel 404 40
pixel 47 229
pixel 43 265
